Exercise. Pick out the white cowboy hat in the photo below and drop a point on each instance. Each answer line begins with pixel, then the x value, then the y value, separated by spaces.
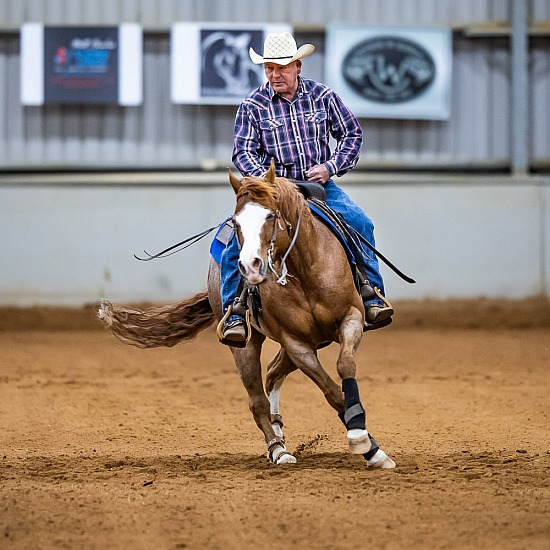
pixel 281 49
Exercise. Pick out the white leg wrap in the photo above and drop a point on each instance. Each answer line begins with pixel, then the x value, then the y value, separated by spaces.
pixel 277 429
pixel 279 455
pixel 274 396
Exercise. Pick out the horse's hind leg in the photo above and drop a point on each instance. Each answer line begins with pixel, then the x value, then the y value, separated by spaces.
pixel 248 365
pixel 277 370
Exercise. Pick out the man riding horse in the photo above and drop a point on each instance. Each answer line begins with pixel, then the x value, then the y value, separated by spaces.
pixel 290 119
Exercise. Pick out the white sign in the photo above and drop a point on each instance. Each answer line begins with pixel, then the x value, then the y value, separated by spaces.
pixel 210 63
pixel 390 72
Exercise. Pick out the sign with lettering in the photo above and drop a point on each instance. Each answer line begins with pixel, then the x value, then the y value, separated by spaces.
pixel 81 65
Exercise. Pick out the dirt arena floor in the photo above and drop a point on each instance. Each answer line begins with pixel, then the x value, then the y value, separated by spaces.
pixel 104 446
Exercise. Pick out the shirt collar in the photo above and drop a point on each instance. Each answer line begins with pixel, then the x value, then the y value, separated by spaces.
pixel 301 90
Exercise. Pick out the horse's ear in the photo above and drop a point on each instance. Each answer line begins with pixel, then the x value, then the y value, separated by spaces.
pixel 234 181
pixel 270 174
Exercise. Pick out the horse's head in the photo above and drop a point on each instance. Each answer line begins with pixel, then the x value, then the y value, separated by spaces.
pixel 263 231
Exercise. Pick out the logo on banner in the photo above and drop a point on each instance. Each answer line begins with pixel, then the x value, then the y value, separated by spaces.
pixel 389 69
pixel 226 66
pixel 84 56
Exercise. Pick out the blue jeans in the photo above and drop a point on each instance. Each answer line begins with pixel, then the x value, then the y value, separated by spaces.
pixel 338 201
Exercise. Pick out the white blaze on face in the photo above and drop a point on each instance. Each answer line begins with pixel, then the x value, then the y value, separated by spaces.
pixel 251 219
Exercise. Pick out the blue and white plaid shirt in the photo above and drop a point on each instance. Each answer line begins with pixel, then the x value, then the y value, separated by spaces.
pixel 295 133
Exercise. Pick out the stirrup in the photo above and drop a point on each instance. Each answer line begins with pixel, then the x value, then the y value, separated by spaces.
pixel 234 343
pixel 374 326
pixel 384 323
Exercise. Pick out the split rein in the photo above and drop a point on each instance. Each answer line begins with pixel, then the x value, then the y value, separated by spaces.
pixel 176 247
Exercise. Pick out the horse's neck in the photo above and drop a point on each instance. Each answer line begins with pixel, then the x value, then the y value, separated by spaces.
pixel 317 253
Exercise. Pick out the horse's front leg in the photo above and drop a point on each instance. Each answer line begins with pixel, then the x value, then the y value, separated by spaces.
pixel 247 361
pixel 354 417
pixel 282 365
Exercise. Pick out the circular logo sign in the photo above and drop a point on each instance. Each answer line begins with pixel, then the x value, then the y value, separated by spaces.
pixel 388 69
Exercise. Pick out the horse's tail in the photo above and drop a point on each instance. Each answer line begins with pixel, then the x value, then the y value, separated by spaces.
pixel 158 326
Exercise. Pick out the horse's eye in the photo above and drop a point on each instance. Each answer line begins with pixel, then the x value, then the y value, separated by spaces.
pixel 270 216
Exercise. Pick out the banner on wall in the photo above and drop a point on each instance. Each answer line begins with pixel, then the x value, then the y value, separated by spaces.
pixel 390 72
pixel 81 65
pixel 210 63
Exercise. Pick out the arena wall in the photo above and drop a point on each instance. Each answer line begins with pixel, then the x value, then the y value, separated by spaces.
pixel 71 239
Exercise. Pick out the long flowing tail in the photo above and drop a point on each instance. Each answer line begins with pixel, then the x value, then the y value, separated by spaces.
pixel 158 326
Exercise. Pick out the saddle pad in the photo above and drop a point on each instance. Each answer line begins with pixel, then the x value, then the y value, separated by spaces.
pixel 221 240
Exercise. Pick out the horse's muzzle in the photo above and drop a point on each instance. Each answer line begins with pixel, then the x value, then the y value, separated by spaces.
pixel 254 271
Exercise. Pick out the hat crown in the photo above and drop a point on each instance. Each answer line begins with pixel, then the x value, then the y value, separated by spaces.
pixel 278 46
pixel 281 49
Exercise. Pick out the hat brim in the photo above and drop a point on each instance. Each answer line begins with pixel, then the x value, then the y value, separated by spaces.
pixel 303 51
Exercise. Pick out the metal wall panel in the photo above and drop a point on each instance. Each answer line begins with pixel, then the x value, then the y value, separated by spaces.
pixel 160 134
pixel 312 12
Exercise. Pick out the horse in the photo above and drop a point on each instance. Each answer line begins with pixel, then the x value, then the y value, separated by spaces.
pixel 308 300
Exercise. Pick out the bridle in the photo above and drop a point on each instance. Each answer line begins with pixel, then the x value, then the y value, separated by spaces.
pixel 277 218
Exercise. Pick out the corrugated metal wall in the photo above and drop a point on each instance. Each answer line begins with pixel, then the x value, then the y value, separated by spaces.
pixel 159 134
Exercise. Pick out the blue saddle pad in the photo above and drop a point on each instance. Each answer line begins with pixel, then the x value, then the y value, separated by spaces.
pixel 221 240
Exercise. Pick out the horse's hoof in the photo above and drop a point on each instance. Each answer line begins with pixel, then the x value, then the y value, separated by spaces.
pixel 286 459
pixel 358 441
pixel 381 460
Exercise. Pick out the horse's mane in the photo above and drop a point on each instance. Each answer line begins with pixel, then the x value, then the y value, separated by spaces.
pixel 281 195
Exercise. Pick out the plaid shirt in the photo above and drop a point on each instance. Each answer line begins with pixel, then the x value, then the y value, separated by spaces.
pixel 295 133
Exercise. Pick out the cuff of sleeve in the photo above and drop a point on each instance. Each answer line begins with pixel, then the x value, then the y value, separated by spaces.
pixel 331 167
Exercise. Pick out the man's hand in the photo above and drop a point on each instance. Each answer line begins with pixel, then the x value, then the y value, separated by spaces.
pixel 318 173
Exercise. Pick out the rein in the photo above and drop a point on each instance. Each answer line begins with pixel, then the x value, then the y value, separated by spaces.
pixel 176 247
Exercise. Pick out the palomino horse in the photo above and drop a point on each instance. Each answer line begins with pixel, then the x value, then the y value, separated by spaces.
pixel 308 299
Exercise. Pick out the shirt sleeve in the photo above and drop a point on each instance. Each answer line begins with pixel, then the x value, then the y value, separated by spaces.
pixel 346 130
pixel 247 155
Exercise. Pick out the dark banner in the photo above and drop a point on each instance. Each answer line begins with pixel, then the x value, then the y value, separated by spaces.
pixel 81 65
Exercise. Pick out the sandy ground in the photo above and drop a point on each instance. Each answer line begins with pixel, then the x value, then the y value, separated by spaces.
pixel 108 446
